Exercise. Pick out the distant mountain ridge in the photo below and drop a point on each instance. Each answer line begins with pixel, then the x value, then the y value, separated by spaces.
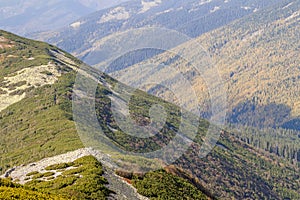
pixel 25 17
pixel 190 17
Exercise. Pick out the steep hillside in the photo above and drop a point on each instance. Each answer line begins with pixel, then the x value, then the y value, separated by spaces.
pixel 79 175
pixel 39 123
pixel 31 76
pixel 36 122
pixel 191 17
pixel 258 59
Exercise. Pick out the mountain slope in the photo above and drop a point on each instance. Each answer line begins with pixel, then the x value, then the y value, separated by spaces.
pixel 44 90
pixel 258 59
pixel 41 124
pixel 191 17
pixel 38 122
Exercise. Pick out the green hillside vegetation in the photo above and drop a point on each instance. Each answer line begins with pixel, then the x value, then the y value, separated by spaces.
pixel 84 181
pixel 242 171
pixel 9 191
pixel 226 168
pixel 162 185
pixel 42 128
pixel 42 125
pixel 139 106
pixel 281 142
pixel 16 53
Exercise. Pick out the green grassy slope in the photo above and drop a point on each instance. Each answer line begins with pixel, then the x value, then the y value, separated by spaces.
pixel 41 125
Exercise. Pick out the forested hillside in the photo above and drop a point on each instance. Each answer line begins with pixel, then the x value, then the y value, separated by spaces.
pixel 258 60
pixel 38 123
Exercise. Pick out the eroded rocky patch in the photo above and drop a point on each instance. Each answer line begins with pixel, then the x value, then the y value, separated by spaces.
pixel 13 88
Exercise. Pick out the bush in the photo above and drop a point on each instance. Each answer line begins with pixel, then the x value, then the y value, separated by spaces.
pixel 32 173
pixel 162 185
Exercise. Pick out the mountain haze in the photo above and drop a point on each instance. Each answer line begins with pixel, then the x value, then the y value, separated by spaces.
pixel 30 16
pixel 190 17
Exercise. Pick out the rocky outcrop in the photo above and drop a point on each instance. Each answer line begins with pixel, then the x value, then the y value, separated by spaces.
pixel 122 189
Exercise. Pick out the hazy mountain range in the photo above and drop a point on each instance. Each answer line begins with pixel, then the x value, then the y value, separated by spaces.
pixel 24 17
pixel 190 17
